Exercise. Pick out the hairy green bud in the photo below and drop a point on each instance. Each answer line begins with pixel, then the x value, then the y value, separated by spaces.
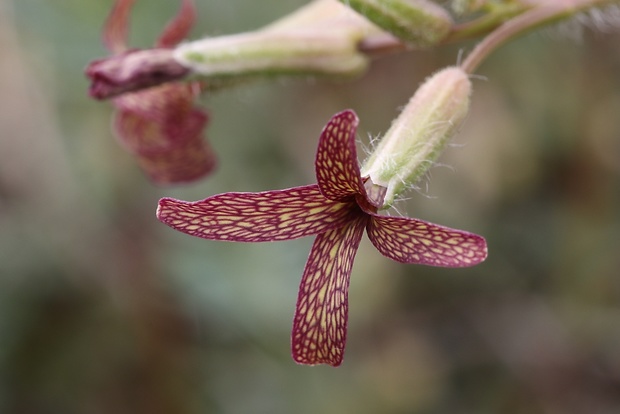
pixel 420 133
pixel 321 38
pixel 303 52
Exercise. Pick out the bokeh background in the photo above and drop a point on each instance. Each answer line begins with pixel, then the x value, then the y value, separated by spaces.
pixel 105 310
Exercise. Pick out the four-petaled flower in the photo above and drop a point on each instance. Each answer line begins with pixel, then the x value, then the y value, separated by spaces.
pixel 160 125
pixel 337 209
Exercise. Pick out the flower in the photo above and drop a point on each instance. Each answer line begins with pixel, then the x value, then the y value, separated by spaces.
pixel 337 209
pixel 160 125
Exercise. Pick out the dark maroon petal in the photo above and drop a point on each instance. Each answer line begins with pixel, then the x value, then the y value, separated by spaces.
pixel 185 162
pixel 159 118
pixel 256 217
pixel 337 170
pixel 165 132
pixel 320 324
pixel 168 103
pixel 178 28
pixel 116 26
pixel 408 240
pixel 140 134
pixel 179 166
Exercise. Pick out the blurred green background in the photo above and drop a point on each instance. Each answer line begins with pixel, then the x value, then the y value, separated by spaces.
pixel 105 310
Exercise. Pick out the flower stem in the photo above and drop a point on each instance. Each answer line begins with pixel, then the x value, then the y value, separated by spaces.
pixel 540 15
pixel 486 23
pixel 376 45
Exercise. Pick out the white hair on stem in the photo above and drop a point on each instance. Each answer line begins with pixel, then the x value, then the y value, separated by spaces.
pixel 603 19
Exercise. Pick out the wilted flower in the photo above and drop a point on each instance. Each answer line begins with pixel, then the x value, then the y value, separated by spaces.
pixel 161 125
pixel 337 210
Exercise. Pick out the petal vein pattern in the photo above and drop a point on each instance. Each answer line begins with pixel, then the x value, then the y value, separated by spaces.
pixel 320 323
pixel 337 171
pixel 408 240
pixel 256 217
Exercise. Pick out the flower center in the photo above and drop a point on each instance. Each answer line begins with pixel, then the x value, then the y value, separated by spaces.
pixel 375 194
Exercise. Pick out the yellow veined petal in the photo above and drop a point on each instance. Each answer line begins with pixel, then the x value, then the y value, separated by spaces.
pixel 320 323
pixel 408 240
pixel 337 169
pixel 257 217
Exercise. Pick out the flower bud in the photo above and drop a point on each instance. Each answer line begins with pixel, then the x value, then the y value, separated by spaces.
pixel 320 38
pixel 421 131
pixel 419 23
pixel 306 51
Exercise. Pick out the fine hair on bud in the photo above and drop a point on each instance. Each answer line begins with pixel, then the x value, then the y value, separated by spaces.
pixel 420 133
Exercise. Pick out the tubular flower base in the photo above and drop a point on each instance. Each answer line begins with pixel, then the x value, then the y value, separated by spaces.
pixel 160 125
pixel 337 209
